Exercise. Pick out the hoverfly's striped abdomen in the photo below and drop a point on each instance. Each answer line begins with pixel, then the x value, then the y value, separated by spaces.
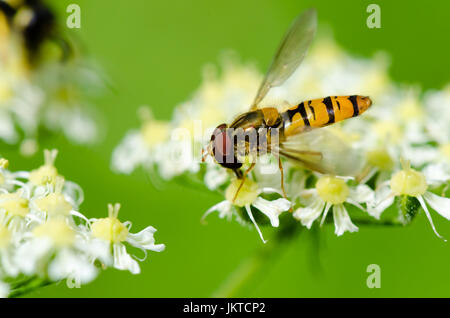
pixel 322 112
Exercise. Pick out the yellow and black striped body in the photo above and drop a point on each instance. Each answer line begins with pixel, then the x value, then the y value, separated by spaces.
pixel 322 112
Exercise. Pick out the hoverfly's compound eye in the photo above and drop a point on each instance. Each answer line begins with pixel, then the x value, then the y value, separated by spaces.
pixel 223 148
pixel 221 142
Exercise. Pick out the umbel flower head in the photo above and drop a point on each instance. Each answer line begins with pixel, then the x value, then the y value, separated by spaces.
pixel 402 123
pixel 45 238
pixel 412 183
pixel 42 85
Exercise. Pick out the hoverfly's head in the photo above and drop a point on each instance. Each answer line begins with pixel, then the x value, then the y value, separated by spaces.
pixel 221 147
pixel 364 102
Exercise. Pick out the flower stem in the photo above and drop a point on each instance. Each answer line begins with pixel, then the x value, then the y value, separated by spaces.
pixel 29 286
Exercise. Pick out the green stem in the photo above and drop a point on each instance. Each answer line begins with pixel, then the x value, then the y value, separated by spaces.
pixel 368 222
pixel 25 288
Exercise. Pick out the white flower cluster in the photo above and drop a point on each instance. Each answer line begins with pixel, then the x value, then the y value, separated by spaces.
pixel 49 94
pixel 404 142
pixel 44 237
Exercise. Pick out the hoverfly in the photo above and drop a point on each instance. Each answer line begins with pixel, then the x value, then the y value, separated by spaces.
pixel 294 126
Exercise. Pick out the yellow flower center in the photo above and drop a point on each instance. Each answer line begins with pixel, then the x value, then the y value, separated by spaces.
pixel 14 204
pixel 5 236
pixel 411 109
pixel 388 130
pixel 54 204
pixel 332 190
pixel 381 159
pixel 2 179
pixel 408 182
pixel 154 132
pixel 46 174
pixel 57 230
pixel 110 229
pixel 247 194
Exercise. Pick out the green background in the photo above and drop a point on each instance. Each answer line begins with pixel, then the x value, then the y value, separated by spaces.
pixel 154 51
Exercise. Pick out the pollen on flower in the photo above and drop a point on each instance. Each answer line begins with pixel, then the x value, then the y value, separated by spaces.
pixel 332 189
pixel 154 131
pixel 55 203
pixel 57 230
pixel 381 159
pixel 5 236
pixel 47 173
pixel 408 182
pixel 14 204
pixel 247 194
pixel 110 228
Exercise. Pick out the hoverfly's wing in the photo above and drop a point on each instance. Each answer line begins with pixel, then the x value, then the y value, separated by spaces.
pixel 290 53
pixel 322 151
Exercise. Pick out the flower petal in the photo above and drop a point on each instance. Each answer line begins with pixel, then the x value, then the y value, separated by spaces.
pixel 70 265
pixel 145 240
pixel 224 208
pixel 440 204
pixel 427 213
pixel 123 260
pixel 342 221
pixel 309 214
pixel 250 215
pixel 362 194
pixel 215 177
pixel 437 173
pixel 384 198
pixel 4 290
pixel 272 209
pixel 30 254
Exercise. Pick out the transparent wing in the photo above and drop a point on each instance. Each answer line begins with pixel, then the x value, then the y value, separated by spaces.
pixel 322 151
pixel 290 53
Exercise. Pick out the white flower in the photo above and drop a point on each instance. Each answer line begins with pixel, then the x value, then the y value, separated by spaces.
pixel 249 195
pixel 53 245
pixel 4 290
pixel 412 183
pixel 44 236
pixel 114 233
pixel 438 109
pixel 332 192
pixel 437 173
pixel 51 95
pixel 141 147
pixel 68 264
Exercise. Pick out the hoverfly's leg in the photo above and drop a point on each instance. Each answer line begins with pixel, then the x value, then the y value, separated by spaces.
pixel 282 177
pixel 244 176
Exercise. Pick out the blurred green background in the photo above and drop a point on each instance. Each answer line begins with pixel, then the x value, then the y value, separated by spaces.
pixel 154 52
